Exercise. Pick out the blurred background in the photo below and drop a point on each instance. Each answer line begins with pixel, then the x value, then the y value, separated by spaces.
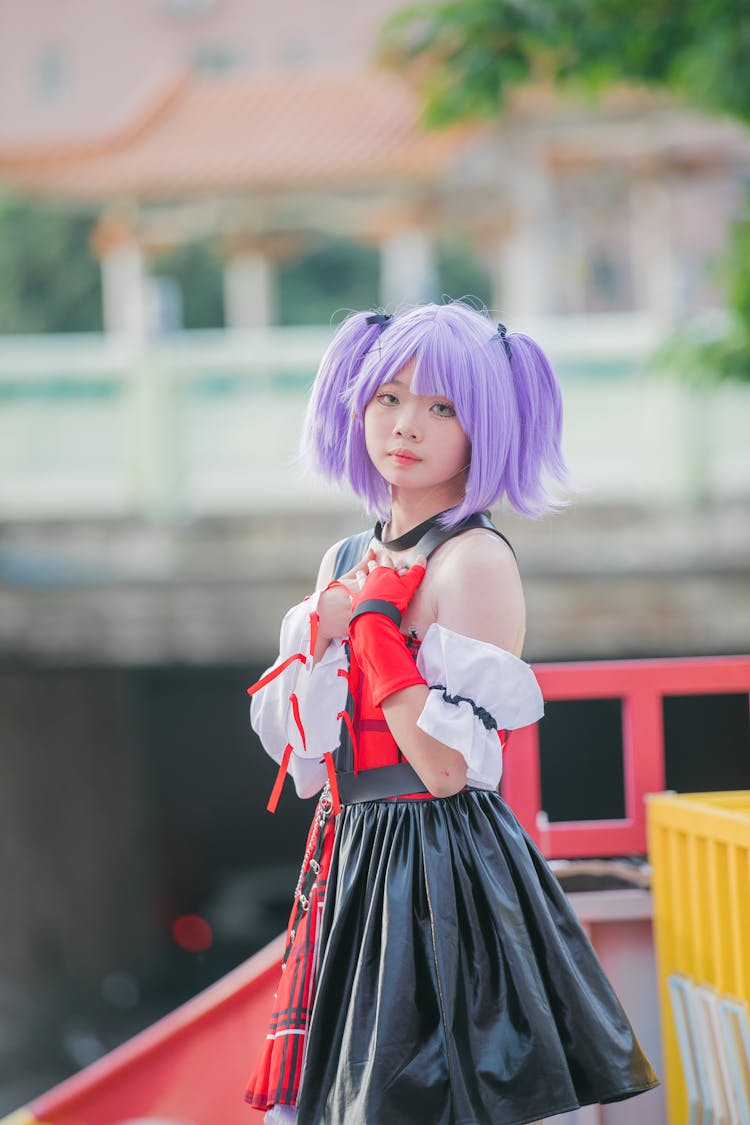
pixel 192 194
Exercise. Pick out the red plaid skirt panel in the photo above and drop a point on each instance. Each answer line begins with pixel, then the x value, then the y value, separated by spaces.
pixel 278 1069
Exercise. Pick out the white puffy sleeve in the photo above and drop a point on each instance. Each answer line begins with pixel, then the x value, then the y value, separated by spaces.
pixel 298 707
pixel 476 690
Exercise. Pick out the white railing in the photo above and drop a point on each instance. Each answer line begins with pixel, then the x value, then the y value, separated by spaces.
pixel 207 422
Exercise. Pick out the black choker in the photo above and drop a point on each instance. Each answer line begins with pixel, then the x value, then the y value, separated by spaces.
pixel 409 538
pixel 428 536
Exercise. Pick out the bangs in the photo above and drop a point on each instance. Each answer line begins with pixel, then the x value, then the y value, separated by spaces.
pixel 443 355
pixel 443 367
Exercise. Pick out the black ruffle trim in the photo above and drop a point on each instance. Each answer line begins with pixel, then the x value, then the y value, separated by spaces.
pixel 481 713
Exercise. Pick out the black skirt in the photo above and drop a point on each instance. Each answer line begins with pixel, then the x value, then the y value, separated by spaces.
pixel 455 984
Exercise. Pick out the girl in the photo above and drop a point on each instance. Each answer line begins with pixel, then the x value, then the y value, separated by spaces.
pixel 434 971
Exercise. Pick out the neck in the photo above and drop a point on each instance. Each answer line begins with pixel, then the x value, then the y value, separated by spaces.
pixel 408 509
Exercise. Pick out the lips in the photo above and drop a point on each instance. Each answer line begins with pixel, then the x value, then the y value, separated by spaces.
pixel 403 457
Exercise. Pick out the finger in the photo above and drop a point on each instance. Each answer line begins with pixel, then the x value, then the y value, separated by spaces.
pixel 361 565
pixel 367 560
pixel 359 578
pixel 413 577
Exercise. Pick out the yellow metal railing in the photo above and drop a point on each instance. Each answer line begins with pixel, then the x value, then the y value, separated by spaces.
pixel 699 845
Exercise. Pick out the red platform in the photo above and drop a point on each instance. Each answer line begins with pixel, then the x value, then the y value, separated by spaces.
pixel 189 1068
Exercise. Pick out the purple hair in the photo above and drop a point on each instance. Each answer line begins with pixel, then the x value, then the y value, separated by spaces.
pixel 508 405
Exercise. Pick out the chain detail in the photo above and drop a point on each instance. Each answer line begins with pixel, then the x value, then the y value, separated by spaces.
pixel 322 813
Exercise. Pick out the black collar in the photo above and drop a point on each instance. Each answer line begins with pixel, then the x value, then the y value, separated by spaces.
pixel 430 534
pixel 409 538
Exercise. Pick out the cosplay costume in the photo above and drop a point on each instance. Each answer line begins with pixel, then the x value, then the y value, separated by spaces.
pixel 434 970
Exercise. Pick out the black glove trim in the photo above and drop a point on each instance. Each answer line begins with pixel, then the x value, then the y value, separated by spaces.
pixel 378 605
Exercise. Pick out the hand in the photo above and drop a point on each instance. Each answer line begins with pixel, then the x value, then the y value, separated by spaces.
pixel 335 602
pixel 384 582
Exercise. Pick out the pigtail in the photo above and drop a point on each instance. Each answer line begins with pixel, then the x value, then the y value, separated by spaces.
pixel 329 418
pixel 535 460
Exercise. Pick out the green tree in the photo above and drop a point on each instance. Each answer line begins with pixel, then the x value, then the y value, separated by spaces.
pixel 49 278
pixel 461 271
pixel 331 276
pixel 468 56
pixel 196 270
pixel 346 275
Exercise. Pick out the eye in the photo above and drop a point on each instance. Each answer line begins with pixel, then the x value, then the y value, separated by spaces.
pixel 387 399
pixel 443 410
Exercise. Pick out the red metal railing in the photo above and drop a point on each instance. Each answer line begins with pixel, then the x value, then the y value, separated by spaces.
pixel 189 1068
pixel 642 686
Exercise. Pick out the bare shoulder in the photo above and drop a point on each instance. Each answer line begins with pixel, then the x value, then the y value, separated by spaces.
pixel 327 563
pixel 477 548
pixel 478 589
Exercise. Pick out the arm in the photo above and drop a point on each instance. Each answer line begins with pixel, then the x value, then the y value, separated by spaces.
pixel 441 769
pixel 478 596
pixel 298 706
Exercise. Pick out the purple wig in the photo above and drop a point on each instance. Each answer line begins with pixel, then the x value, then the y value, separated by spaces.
pixel 507 401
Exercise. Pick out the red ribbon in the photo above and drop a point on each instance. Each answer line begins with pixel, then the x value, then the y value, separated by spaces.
pixel 273 800
pixel 333 783
pixel 355 745
pixel 298 720
pixel 261 683
pixel 314 623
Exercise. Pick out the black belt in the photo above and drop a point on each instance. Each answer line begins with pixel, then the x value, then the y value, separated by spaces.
pixel 382 781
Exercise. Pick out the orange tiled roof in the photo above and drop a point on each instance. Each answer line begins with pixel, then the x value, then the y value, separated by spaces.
pixel 218 135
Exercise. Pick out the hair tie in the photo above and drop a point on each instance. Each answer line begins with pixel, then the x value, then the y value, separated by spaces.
pixel 501 335
pixel 381 319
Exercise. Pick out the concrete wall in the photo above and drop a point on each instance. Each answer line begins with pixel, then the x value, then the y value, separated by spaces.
pixel 599 583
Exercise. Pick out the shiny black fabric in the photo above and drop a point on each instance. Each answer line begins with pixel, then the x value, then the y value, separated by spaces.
pixel 456 986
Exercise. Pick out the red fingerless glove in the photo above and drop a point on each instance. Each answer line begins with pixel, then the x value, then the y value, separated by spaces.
pixel 387 590
pixel 374 634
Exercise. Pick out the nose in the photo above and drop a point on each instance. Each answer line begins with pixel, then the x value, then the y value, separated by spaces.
pixel 405 424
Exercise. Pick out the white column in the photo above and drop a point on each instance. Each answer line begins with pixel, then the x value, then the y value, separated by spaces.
pixel 656 273
pixel 408 269
pixel 125 299
pixel 249 291
pixel 523 269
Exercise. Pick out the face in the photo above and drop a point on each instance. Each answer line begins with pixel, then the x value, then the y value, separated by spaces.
pixel 415 441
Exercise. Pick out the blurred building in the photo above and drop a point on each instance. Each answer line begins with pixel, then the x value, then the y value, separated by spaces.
pixel 269 133
pixel 271 130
